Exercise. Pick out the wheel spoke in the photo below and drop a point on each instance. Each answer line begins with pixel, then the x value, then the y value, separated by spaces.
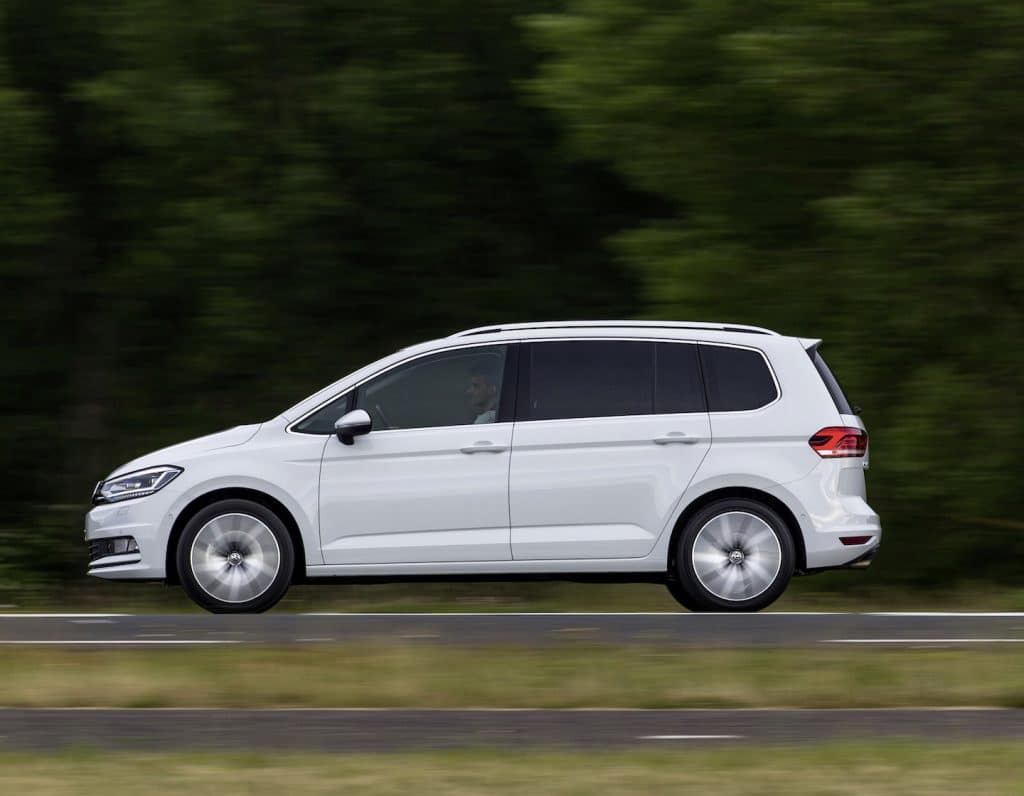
pixel 759 572
pixel 235 557
pixel 736 556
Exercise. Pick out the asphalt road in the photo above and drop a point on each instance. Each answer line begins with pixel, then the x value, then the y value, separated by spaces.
pixel 678 629
pixel 400 729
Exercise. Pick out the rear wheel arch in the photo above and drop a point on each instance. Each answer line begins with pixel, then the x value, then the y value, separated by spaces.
pixel 747 493
pixel 267 501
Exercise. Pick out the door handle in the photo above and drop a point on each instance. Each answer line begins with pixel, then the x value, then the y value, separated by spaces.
pixel 483 447
pixel 676 437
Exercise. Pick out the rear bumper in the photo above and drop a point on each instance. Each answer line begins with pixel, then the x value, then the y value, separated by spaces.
pixel 864 561
pixel 861 561
pixel 831 510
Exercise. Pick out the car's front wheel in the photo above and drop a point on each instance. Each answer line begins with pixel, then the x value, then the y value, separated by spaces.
pixel 235 556
pixel 733 555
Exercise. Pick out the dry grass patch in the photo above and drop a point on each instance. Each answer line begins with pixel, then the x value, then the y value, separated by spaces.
pixel 410 675
pixel 863 769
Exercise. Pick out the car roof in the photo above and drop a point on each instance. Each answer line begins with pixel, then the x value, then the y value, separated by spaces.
pixel 551 325
pixel 618 325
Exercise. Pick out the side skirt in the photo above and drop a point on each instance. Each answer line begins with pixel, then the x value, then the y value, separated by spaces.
pixel 507 577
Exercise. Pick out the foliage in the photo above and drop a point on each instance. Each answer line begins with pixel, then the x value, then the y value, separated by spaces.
pixel 209 209
pixel 851 171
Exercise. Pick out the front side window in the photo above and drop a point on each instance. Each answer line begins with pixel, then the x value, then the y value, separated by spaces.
pixel 322 421
pixel 737 379
pixel 451 388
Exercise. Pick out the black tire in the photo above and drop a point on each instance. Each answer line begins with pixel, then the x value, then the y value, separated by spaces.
pixel 675 588
pixel 698 596
pixel 243 514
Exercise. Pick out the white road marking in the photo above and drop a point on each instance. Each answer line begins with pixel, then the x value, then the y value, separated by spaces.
pixel 922 641
pixel 679 614
pixel 696 711
pixel 689 737
pixel 964 614
pixel 56 616
pixel 100 642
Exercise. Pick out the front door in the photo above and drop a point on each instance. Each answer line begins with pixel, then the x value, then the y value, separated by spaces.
pixel 429 483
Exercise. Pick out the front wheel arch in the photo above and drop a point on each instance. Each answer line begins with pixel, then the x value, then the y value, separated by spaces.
pixel 172 576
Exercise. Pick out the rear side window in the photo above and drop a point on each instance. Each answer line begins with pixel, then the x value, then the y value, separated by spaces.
pixel 610 378
pixel 677 386
pixel 842 404
pixel 737 379
pixel 588 378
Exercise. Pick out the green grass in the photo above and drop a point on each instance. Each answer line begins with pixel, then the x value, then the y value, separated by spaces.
pixel 564 676
pixel 863 769
pixel 841 591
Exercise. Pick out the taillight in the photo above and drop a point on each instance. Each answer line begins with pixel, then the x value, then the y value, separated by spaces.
pixel 836 442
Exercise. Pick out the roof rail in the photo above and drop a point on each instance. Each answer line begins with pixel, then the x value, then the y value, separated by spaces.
pixel 509 327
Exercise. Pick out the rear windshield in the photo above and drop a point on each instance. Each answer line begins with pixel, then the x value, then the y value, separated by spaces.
pixel 831 383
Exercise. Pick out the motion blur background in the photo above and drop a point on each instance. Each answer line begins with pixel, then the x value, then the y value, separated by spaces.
pixel 210 209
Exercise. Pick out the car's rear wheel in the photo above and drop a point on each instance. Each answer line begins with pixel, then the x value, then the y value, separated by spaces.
pixel 675 588
pixel 235 556
pixel 733 555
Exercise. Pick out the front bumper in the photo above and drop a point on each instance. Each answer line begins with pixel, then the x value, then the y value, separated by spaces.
pixel 142 520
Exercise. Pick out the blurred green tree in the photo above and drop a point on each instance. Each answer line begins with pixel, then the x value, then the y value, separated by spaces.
pixel 852 171
pixel 219 207
pixel 207 210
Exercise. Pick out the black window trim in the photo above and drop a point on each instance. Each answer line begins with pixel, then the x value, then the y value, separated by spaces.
pixel 507 390
pixel 523 394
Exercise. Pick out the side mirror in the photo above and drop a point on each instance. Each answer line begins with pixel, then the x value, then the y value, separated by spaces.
pixel 351 425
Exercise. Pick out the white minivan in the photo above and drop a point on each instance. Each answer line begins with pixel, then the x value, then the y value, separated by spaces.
pixel 717 459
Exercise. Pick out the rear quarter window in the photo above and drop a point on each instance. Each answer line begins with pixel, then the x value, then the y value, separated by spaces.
pixel 736 379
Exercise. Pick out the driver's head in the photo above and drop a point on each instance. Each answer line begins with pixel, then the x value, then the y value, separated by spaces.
pixel 482 389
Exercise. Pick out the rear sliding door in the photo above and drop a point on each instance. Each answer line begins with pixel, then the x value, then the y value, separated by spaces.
pixel 608 435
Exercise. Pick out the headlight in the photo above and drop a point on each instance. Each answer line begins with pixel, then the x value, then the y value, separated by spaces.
pixel 135 485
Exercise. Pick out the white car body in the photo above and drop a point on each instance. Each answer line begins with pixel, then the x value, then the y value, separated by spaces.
pixel 596 496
